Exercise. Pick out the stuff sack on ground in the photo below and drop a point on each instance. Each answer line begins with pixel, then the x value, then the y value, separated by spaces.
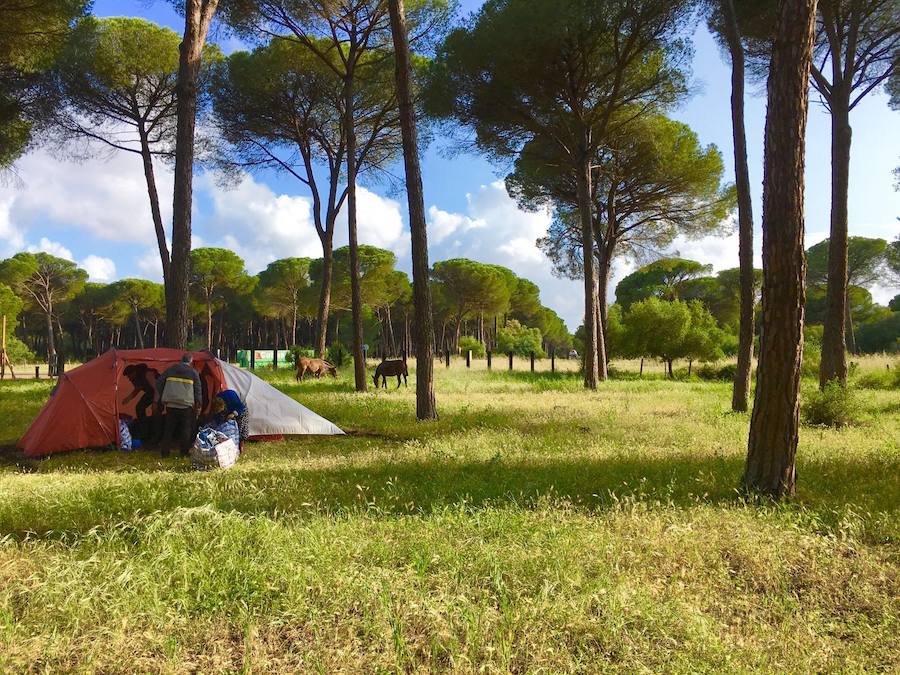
pixel 213 449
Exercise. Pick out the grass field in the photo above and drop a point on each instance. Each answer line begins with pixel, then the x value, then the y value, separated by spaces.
pixel 533 528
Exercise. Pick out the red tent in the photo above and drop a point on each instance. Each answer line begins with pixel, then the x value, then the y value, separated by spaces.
pixel 84 408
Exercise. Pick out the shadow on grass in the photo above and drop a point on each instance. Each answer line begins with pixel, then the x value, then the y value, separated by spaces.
pixel 419 488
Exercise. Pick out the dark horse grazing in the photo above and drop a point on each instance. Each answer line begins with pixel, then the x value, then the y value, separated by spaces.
pixel 385 368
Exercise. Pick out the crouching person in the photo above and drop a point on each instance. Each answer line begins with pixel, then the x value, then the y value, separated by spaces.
pixel 180 394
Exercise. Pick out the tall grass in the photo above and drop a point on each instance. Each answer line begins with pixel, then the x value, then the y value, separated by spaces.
pixel 534 527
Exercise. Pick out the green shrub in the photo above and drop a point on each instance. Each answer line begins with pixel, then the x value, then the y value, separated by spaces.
pixel 336 354
pixel 468 343
pixel 835 406
pixel 18 351
pixel 812 359
pixel 710 371
pixel 519 339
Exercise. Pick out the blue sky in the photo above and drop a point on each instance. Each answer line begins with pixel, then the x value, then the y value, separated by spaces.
pixel 96 211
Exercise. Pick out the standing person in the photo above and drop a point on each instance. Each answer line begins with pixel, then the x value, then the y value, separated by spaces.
pixel 181 394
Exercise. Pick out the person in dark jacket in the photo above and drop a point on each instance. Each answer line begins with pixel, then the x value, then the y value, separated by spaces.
pixel 142 378
pixel 181 394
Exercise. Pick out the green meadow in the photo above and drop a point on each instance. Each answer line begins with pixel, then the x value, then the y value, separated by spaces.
pixel 533 528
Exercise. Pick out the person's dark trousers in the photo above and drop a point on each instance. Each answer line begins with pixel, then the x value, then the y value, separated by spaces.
pixel 179 423
pixel 145 402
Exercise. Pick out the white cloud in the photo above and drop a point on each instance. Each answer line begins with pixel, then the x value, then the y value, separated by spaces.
pixel 378 220
pixel 105 196
pixel 53 248
pixel 12 238
pixel 150 265
pixel 441 224
pixel 99 268
pixel 255 223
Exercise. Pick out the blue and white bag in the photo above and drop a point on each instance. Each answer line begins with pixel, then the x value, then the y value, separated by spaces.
pixel 213 449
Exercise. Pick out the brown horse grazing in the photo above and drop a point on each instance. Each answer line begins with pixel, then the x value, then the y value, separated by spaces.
pixel 385 368
pixel 316 367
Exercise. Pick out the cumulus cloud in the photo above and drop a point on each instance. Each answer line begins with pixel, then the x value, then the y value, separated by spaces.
pixel 441 224
pixel 379 222
pixel 51 247
pixel 99 268
pixel 105 197
pixel 257 224
pixel 12 239
pixel 149 265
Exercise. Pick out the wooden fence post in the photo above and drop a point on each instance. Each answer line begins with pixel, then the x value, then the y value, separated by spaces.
pixel 489 359
pixel 275 357
pixel 447 357
pixel 532 362
pixel 37 372
pixel 552 360
pixel 252 357
pixel 468 358
pixel 510 360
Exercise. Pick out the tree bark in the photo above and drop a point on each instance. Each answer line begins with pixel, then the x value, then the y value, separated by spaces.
pixel 774 424
pixel 834 336
pixel 426 408
pixel 604 268
pixel 324 299
pixel 593 348
pixel 742 374
pixel 137 328
pixel 359 364
pixel 51 340
pixel 150 177
pixel 197 17
pixel 208 323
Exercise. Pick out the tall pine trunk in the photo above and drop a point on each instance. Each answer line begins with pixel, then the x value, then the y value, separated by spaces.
pixel 604 267
pixel 426 408
pixel 774 424
pixel 197 17
pixel 359 364
pixel 594 350
pixel 834 335
pixel 324 299
pixel 153 194
pixel 741 389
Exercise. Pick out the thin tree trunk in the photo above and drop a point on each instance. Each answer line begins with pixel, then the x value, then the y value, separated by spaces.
pixel 741 389
pixel 359 364
pixel 208 323
pixel 324 299
pixel 426 408
pixel 389 324
pixel 604 265
pixel 593 338
pixel 834 335
pixel 774 424
pixel 197 17
pixel 137 328
pixel 152 193
pixel 51 340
